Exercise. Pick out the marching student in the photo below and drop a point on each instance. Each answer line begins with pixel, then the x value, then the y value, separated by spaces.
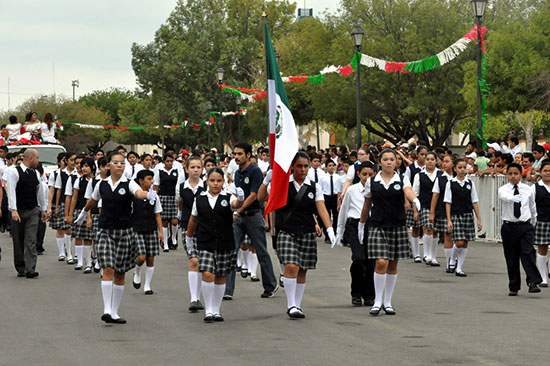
pixel 296 230
pixel 63 227
pixel 315 172
pixel 518 233
pixel 212 222
pixel 147 225
pixel 460 199
pixel 438 215
pixel 411 171
pixel 388 241
pixel 132 167
pixel 41 224
pixel 115 243
pixel 165 182
pixel 187 192
pixel 68 197
pixel 82 234
pixel 362 267
pixel 93 222
pixel 56 221
pixel 422 187
pixel 331 184
pixel 542 228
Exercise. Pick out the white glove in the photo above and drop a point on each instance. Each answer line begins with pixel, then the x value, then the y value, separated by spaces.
pixel 179 215
pixel 240 194
pixel 189 244
pixel 268 177
pixel 81 217
pixel 516 198
pixel 331 236
pixel 152 195
pixel 416 202
pixel 338 241
pixel 361 232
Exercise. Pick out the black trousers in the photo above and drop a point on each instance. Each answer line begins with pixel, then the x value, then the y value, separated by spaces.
pixel 24 240
pixel 517 241
pixel 331 202
pixel 40 234
pixel 362 268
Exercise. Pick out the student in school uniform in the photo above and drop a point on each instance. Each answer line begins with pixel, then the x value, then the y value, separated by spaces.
pixel 542 228
pixel 116 249
pixel 93 222
pixel 55 222
pixel 296 231
pixel 411 171
pixel 71 182
pixel 331 184
pixel 59 213
pixel 212 222
pixel 438 215
pixel 519 215
pixel 460 199
pixel 41 224
pixel 315 173
pixel 362 267
pixel 147 225
pixel 422 187
pixel 132 167
pixel 387 240
pixel 165 182
pixel 187 192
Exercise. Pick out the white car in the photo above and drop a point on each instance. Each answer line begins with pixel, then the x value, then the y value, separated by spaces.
pixel 47 154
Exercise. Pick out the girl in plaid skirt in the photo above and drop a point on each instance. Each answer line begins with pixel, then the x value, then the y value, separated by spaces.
pixel 438 215
pixel 116 248
pixel 387 240
pixel 212 218
pixel 422 187
pixel 54 221
pixel 58 217
pixel 460 199
pixel 165 182
pixel 542 229
pixel 413 221
pixel 68 196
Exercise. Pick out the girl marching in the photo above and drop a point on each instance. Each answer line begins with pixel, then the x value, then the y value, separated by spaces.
pixel 412 170
pixel 55 222
pixel 165 181
pixel 542 228
pixel 58 218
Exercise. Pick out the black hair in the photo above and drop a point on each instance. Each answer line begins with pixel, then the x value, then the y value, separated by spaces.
pixel 90 163
pixel 330 161
pixel 481 153
pixel 142 157
pixel 334 150
pixel 529 156
pixel 99 150
pixel 22 151
pixel 210 160
pixel 473 143
pixel 167 156
pixel 102 161
pixel 192 157
pixel 214 170
pixel 13 119
pixel 539 149
pixel 432 153
pixel 80 156
pixel 113 154
pixel 120 147
pixel 353 154
pixel 544 163
pixel 142 174
pixel 9 156
pixel 364 165
pixel 386 151
pixel 299 154
pixel 169 148
pixel 514 165
pixel 61 156
pixel 40 168
pixel 508 158
pixel 514 140
pixel 28 116
pixel 420 148
pixel 459 160
pixel 4 148
pixel 497 154
pixel 348 161
pixel 343 150
pixel 315 156
pixel 246 147
pixel 132 153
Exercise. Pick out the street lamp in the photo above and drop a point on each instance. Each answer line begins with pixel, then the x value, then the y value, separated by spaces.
pixel 357 36
pixel 277 57
pixel 75 84
pixel 239 100
pixel 220 74
pixel 478 8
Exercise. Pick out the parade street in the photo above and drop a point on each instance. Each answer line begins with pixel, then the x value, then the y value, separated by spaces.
pixel 441 319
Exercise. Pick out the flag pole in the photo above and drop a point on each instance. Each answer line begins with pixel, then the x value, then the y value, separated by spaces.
pixel 270 125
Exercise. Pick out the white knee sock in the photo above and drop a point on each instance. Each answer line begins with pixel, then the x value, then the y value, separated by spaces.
pixel 239 256
pixel 192 278
pixel 249 261
pixel 253 264
pixel 79 251
pixel 454 254
pixel 174 234
pixel 448 253
pixel 290 291
pixel 219 290
pixel 208 295
pixel 107 291
pixel 391 279
pixel 300 287
pixel 379 284
pixel 60 246
pixel 282 269
pixel 461 258
pixel 244 263
pixel 415 247
pixel 68 246
pixel 428 246
pixel 434 249
pixel 88 255
pixel 542 260
pixel 148 277
pixel 118 291
pixel 165 239
pixel 97 265
pixel 137 274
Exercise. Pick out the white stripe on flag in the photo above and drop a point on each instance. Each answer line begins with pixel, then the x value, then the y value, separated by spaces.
pixel 272 103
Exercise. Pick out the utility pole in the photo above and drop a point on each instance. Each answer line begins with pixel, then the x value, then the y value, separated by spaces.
pixel 75 84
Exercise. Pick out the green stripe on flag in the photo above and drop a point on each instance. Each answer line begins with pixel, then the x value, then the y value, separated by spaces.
pixel 273 69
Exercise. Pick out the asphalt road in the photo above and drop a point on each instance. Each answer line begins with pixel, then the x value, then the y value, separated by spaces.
pixel 441 319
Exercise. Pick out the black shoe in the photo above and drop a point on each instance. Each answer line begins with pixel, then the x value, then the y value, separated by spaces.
pixel 194 307
pixel 21 274
pixel 281 282
pixel 327 241
pixel 35 274
pixel 149 292
pixel 369 302
pixel 40 253
pixel 267 294
pixel 227 297
pixel 435 264
pixel 61 258
pixel 417 259
pixel 218 318
pixel 461 274
pixel 295 313
pixel 88 269
pixel 534 289
pixel 118 321
pixel 96 270
pixel 208 318
pixel 254 279
pixel 200 305
pixel 356 301
pixel 388 310
pixel 543 285
pixel 244 273
pixel 77 268
pixel 166 250
pixel 513 293
pixel 482 236
pixel 106 318
pixel 238 269
pixel 136 285
pixel 374 311
pixel 71 261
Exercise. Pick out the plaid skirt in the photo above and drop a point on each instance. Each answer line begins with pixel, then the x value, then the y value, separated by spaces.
pixel 463 227
pixel 81 231
pixel 194 252
pixel 57 223
pixel 95 225
pixel 300 250
pixel 218 262
pixel 147 243
pixel 410 219
pixel 390 243
pixel 169 207
pixel 116 249
pixel 440 225
pixel 542 233
pixel 425 219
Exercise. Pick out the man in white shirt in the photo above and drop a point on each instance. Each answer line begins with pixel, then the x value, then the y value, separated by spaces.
pixel 331 184
pixel 519 215
pixel 315 173
pixel 263 160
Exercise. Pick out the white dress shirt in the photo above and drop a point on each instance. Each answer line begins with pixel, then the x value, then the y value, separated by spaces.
pixel 311 174
pixel 156 178
pixel 212 199
pixel 263 165
pixel 337 185
pixel 12 180
pixel 318 190
pixel 408 170
pixel 133 186
pixel 528 207
pixel 416 180
pixel 378 178
pixel 186 184
pixel 351 207
pixel 449 194
pixel 436 183
pixel 130 171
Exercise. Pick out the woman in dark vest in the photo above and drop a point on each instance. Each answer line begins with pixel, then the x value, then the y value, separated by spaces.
pixel 212 222
pixel 388 241
pixel 542 229
pixel 116 249
pixel 411 171
pixel 55 222
pixel 59 212
pixel 165 181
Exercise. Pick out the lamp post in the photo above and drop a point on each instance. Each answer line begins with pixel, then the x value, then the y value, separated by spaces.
pixel 220 74
pixel 357 36
pixel 479 7
pixel 75 84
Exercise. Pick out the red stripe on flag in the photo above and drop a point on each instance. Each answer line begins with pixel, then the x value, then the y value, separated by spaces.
pixel 279 189
pixel 396 67
pixel 272 139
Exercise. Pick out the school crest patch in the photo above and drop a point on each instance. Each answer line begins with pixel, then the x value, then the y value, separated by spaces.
pixel 397 187
pixel 311 195
pixel 122 191
pixel 152 202
pixel 224 203
pixel 246 180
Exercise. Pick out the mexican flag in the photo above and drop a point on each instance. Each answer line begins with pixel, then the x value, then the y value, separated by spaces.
pixel 283 138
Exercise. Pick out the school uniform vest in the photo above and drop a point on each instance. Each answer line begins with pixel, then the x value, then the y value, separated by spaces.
pixel 73 178
pixel 414 171
pixel 64 179
pixel 542 200
pixel 440 207
pixel 462 198
pixel 80 200
pixel 116 211
pixel 25 191
pixel 388 205
pixel 301 219
pixel 143 215
pixel 187 198
pixel 168 182
pixel 426 186
pixel 95 210
pixel 215 226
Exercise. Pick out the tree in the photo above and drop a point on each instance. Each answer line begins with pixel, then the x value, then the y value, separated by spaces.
pixel 108 101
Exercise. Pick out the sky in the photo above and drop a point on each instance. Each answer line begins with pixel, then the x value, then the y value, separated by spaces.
pixel 45 45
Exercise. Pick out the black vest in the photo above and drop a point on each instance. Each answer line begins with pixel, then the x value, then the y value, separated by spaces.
pixel 168 182
pixel 55 174
pixel 462 198
pixel 116 210
pixel 215 226
pixel 64 179
pixel 187 198
pixel 25 191
pixel 301 219
pixel 440 207
pixel 388 205
pixel 143 215
pixel 426 186
pixel 95 210
pixel 542 199
pixel 73 178
pixel 414 170
pixel 82 185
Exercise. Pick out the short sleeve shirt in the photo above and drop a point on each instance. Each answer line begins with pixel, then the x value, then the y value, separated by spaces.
pixel 249 180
